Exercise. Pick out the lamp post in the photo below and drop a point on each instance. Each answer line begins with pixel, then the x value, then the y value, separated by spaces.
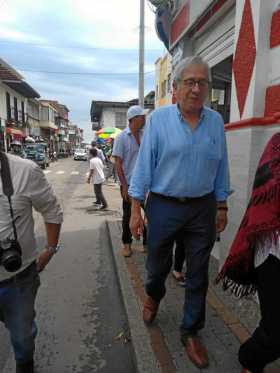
pixel 141 53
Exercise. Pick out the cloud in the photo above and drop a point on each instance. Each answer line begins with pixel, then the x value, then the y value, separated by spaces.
pixel 83 36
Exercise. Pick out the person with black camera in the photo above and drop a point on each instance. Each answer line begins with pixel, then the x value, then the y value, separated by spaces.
pixel 23 187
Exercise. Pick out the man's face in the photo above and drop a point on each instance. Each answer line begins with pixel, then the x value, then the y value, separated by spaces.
pixel 192 90
pixel 138 122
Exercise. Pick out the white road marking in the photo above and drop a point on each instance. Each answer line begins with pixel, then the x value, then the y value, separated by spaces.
pixel 60 172
pixel 47 172
pixel 75 173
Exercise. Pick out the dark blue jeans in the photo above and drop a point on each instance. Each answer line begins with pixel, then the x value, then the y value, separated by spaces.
pixel 195 220
pixel 17 313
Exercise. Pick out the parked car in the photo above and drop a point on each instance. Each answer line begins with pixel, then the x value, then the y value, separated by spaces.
pixel 38 153
pixel 80 155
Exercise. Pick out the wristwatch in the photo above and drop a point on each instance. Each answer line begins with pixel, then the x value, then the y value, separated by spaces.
pixel 53 249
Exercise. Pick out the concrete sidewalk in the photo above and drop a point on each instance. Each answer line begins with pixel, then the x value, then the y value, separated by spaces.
pixel 158 347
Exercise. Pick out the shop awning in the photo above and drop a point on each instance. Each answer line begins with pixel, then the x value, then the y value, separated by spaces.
pixel 48 125
pixel 14 131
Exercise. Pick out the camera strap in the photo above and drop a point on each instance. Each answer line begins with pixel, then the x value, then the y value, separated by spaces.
pixel 7 185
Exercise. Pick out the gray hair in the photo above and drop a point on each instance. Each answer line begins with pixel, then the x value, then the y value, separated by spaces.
pixel 185 63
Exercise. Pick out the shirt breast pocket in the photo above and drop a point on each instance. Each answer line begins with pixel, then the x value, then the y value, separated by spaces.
pixel 211 149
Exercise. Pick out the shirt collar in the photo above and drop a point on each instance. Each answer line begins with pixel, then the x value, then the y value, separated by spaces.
pixel 202 113
pixel 127 130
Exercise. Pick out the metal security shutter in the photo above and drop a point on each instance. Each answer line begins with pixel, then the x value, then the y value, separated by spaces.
pixel 216 43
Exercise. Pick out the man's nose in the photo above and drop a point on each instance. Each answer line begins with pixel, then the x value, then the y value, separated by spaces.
pixel 196 88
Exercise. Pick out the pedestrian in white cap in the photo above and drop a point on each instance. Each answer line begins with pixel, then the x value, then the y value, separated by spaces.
pixel 125 152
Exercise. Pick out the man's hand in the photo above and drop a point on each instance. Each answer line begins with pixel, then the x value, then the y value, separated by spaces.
pixel 88 180
pixel 43 259
pixel 221 220
pixel 136 225
pixel 124 192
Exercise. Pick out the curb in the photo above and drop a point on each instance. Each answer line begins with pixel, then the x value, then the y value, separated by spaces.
pixel 145 359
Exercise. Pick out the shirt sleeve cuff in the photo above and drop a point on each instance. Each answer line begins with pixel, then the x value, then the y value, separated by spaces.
pixel 221 196
pixel 133 194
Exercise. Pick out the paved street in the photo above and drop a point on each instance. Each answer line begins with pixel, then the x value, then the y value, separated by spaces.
pixel 90 300
pixel 79 330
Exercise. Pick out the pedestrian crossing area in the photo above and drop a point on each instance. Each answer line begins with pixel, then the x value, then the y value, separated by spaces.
pixel 62 172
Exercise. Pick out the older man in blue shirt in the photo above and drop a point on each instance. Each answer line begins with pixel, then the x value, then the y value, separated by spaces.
pixel 183 164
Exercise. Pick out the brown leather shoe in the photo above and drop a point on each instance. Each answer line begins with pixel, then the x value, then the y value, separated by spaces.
pixel 197 352
pixel 150 309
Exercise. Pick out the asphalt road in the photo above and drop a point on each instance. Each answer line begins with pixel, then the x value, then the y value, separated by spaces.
pixel 81 318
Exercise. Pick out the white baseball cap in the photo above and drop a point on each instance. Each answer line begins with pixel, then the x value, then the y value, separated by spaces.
pixel 134 111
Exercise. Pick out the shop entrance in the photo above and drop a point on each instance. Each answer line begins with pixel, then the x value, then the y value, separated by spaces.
pixel 221 87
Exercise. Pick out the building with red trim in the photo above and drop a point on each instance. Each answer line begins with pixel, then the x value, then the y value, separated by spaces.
pixel 15 94
pixel 240 40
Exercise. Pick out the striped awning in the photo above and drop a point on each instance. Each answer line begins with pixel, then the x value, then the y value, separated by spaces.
pixel 14 131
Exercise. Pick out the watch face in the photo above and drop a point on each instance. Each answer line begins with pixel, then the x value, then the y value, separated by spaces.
pixel 53 249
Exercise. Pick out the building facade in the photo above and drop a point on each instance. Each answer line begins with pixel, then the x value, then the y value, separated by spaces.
pixel 163 79
pixel 113 113
pixel 14 96
pixel 48 128
pixel 241 42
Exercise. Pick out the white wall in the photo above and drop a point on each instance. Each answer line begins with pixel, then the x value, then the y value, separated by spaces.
pixel 108 116
pixel 245 148
pixel 3 109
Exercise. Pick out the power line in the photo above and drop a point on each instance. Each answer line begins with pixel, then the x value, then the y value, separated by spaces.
pixel 4 42
pixel 101 74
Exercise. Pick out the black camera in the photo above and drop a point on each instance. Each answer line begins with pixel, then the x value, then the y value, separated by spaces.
pixel 10 256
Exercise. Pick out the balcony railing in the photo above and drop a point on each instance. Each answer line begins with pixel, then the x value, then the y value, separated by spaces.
pixel 17 117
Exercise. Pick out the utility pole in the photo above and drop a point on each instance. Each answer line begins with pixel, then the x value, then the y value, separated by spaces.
pixel 141 53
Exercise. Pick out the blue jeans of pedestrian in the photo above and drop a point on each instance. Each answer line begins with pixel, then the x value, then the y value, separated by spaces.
pixel 17 313
pixel 195 220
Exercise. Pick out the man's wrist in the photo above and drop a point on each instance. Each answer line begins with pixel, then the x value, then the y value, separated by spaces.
pixel 135 205
pixel 53 249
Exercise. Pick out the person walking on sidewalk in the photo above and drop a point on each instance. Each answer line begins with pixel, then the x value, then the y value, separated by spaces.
pixel 96 172
pixel 23 186
pixel 183 163
pixel 125 152
pixel 253 262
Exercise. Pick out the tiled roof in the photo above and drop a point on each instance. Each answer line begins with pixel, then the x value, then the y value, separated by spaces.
pixel 6 75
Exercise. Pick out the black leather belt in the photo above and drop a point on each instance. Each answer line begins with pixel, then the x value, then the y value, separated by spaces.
pixel 183 199
pixel 19 276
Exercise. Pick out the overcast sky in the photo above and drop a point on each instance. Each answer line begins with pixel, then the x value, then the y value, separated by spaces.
pixel 85 37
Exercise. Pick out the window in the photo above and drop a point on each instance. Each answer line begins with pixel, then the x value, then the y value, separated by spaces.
pixel 51 115
pixel 15 109
pixel 169 83
pixel 8 106
pixel 44 113
pixel 163 88
pixel 120 119
pixel 22 112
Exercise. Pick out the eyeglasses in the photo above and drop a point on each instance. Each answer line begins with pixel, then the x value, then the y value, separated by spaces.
pixel 191 83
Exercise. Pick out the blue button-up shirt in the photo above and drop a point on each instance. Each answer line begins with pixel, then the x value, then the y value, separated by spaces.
pixel 175 160
pixel 126 148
